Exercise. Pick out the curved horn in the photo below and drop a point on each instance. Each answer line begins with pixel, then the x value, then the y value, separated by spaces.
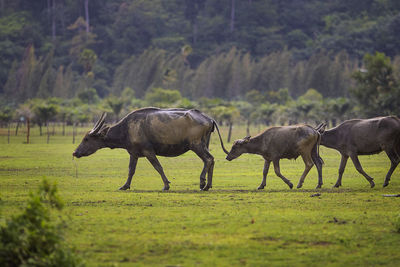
pixel 321 127
pixel 98 124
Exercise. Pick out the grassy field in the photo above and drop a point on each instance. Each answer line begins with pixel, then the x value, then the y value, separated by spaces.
pixel 232 224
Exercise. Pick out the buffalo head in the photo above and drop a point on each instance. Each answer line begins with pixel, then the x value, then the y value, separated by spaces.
pixel 93 140
pixel 238 148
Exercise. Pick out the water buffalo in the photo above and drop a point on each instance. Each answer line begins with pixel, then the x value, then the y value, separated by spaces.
pixel 149 132
pixel 365 137
pixel 277 143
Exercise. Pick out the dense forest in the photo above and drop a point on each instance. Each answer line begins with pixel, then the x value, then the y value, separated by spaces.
pixel 228 49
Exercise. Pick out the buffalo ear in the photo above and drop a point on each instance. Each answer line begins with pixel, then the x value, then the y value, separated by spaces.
pixel 247 139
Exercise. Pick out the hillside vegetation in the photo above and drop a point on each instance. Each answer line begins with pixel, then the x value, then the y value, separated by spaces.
pixel 203 48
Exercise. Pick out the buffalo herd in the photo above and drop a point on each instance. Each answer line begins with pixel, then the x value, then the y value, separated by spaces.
pixel 152 132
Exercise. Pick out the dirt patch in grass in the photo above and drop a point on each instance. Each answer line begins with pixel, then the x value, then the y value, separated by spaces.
pixel 321 243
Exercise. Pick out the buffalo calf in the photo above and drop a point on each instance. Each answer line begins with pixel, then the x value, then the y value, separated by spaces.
pixel 283 142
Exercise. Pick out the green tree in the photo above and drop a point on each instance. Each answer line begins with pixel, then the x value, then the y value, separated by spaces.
pixel 281 96
pixel 255 97
pixel 44 111
pixel 17 31
pixel 309 106
pixel 337 109
pixel 162 97
pixel 191 12
pixel 263 113
pixel 141 72
pixel 377 91
pixel 87 58
pixel 82 39
pixel 24 79
pixel 226 114
pixel 89 96
pixel 6 116
pixel 25 112
pixel 116 104
pixel 245 110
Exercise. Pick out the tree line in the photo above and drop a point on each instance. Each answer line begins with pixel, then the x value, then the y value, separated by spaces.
pixel 229 75
pixel 376 92
pixel 256 108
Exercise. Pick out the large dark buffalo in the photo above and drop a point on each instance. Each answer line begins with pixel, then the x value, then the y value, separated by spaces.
pixel 149 132
pixel 365 137
pixel 283 142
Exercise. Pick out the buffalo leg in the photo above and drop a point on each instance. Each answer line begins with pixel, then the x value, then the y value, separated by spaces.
pixel 318 164
pixel 342 166
pixel 308 165
pixel 357 164
pixel 209 174
pixel 265 172
pixel 156 164
pixel 394 160
pixel 132 167
pixel 278 173
pixel 208 168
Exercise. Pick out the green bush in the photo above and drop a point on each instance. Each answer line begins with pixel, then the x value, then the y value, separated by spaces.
pixel 34 237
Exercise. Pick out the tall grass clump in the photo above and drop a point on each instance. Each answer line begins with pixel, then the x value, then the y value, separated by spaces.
pixel 396 224
pixel 35 237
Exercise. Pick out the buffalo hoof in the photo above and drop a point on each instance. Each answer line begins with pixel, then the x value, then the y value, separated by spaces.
pixel 261 187
pixel 372 184
pixel 385 184
pixel 337 185
pixel 124 187
pixel 318 186
pixel 205 188
pixel 202 185
pixel 166 188
pixel 290 185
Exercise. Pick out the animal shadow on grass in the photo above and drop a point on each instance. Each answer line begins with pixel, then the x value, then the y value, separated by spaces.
pixel 246 191
pixel 188 191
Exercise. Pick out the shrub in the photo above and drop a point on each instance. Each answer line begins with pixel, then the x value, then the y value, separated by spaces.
pixel 34 237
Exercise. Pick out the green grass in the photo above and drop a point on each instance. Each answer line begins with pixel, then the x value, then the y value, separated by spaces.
pixel 232 224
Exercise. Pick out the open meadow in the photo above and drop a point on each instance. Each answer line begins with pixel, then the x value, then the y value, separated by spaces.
pixel 232 224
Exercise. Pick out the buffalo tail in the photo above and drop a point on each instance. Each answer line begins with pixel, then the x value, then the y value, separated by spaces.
pixel 316 148
pixel 220 138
